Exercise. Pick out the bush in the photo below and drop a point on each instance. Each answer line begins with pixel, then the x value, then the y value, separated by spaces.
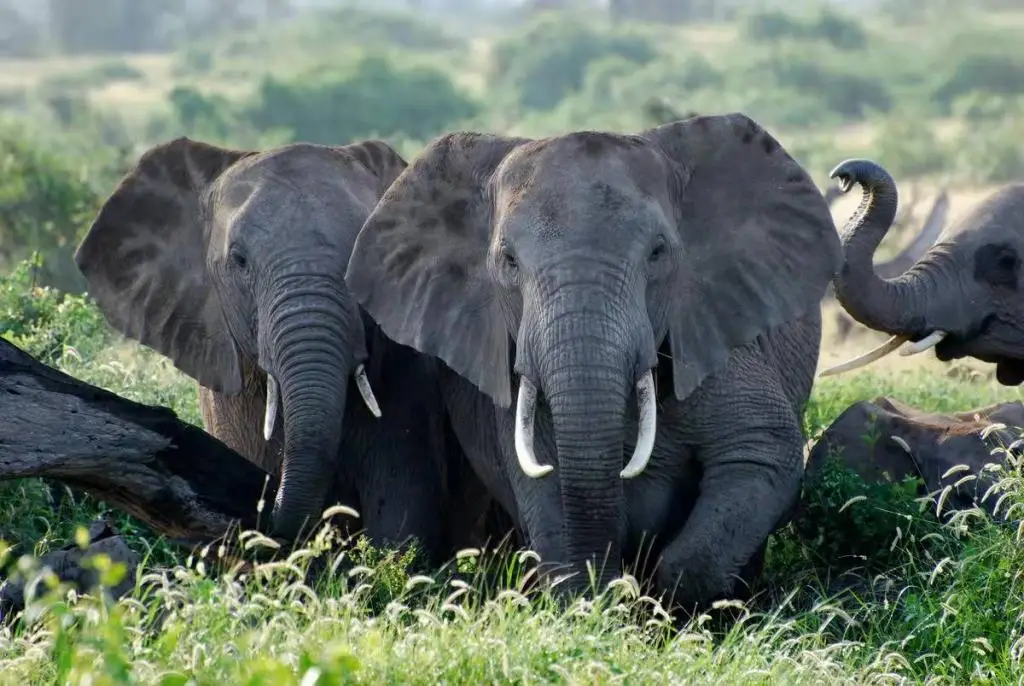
pixel 841 90
pixel 45 322
pixel 996 74
pixel 827 26
pixel 541 66
pixel 849 523
pixel 374 98
pixel 46 204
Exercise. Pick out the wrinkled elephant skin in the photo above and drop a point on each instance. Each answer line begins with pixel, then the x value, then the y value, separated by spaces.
pixel 961 298
pixel 936 442
pixel 232 264
pixel 630 326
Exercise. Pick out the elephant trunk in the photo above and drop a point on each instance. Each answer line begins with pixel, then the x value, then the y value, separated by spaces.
pixel 313 359
pixel 877 303
pixel 896 306
pixel 588 372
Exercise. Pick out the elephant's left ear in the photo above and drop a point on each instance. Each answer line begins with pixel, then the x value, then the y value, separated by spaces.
pixel 380 159
pixel 759 243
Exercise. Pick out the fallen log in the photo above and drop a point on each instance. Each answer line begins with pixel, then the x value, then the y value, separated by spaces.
pixel 179 480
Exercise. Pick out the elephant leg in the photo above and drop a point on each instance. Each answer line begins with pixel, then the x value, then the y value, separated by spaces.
pixel 749 447
pixel 396 466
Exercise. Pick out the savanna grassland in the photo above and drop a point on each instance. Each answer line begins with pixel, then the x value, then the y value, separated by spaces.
pixel 877 590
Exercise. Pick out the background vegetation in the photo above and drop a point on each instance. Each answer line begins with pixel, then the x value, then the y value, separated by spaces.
pixel 933 90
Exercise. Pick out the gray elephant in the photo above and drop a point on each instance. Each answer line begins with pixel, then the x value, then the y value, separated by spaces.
pixel 939 448
pixel 232 264
pixel 962 297
pixel 652 304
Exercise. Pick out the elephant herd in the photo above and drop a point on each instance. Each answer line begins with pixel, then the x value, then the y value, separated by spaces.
pixel 610 339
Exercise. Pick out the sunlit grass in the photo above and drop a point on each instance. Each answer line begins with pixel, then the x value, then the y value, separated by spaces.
pixel 950 616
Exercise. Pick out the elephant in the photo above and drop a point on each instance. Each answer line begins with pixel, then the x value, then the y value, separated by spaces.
pixel 231 263
pixel 652 301
pixel 927 445
pixel 961 298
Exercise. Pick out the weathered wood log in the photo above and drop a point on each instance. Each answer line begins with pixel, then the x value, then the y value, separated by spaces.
pixel 176 478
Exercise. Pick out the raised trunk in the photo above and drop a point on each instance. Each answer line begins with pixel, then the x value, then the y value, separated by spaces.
pixel 893 306
pixel 312 359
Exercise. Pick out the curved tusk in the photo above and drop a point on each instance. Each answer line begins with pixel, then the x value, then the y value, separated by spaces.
pixel 526 405
pixel 898 440
pixel 273 398
pixel 648 405
pixel 867 358
pixel 363 384
pixel 929 341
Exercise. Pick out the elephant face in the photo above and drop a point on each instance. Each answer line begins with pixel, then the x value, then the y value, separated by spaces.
pixel 567 262
pixel 961 296
pixel 214 256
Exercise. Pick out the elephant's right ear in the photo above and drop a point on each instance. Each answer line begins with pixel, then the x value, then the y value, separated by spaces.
pixel 419 265
pixel 144 258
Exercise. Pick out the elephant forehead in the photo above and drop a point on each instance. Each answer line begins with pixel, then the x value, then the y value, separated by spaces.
pixel 560 193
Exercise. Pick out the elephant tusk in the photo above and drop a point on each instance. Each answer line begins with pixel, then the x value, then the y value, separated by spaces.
pixel 929 341
pixel 273 398
pixel 647 403
pixel 363 384
pixel 526 406
pixel 867 358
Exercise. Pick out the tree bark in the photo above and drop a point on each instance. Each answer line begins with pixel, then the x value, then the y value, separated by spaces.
pixel 173 476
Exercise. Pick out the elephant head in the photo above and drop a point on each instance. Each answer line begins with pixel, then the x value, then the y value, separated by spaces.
pixel 568 262
pixel 961 297
pixel 221 259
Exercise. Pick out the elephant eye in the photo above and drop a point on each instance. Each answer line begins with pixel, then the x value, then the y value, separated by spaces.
pixel 508 257
pixel 238 258
pixel 659 250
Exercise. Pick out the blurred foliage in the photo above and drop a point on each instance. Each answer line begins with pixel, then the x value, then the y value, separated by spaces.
pixel 536 68
pixel 938 93
pixel 377 99
pixel 46 203
pixel 43 321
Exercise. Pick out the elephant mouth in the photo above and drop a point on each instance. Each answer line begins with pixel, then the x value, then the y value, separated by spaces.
pixel 994 341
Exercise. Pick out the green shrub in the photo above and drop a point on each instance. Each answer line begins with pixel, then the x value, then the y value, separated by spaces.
pixel 45 322
pixel 990 153
pixel 849 523
pixel 46 204
pixel 542 65
pixel 828 26
pixel 997 74
pixel 374 98
pixel 840 89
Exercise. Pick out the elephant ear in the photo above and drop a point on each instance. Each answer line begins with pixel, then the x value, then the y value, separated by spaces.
pixel 380 159
pixel 144 259
pixel 419 265
pixel 759 243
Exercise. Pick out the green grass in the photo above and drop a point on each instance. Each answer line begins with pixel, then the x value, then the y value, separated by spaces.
pixel 945 612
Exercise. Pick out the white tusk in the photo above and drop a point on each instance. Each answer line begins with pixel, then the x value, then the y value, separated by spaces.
pixel 363 384
pixel 867 358
pixel 929 341
pixel 898 440
pixel 526 405
pixel 647 403
pixel 273 397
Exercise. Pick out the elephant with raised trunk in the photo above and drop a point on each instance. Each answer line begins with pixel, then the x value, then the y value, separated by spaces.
pixel 232 264
pixel 630 326
pixel 961 298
